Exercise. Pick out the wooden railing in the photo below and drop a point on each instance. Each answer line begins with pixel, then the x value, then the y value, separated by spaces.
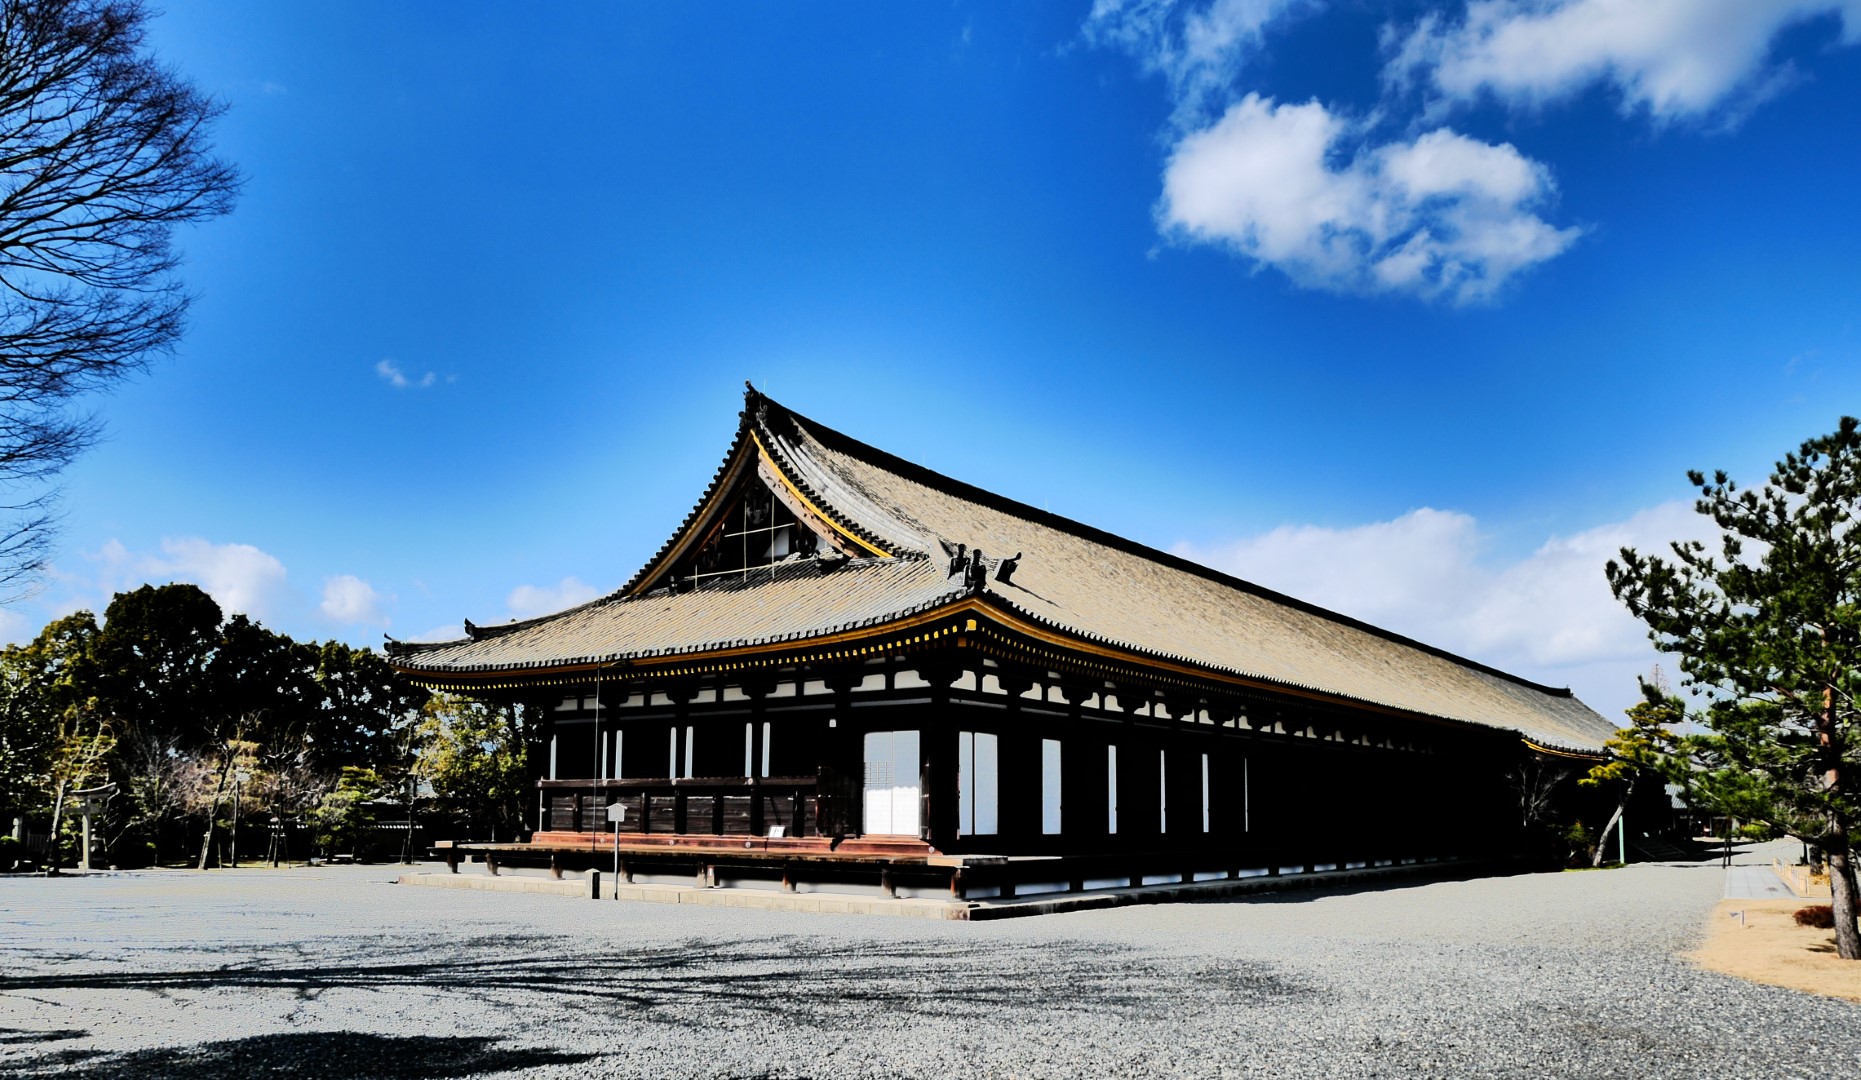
pixel 704 805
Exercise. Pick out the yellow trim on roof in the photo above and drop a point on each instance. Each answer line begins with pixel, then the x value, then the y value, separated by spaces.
pixel 805 650
pixel 700 518
pixel 809 503
pixel 1578 755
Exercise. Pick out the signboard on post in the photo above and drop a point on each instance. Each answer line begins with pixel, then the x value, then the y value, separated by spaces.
pixel 616 813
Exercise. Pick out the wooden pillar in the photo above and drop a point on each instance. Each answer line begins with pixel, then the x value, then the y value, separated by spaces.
pixel 757 688
pixel 681 694
pixel 1017 781
pixel 845 746
pixel 938 743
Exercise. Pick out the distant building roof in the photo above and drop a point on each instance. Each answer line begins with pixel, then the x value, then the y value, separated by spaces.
pixel 903 522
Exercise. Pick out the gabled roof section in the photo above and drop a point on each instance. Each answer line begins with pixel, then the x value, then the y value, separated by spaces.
pixel 736 460
pixel 757 451
pixel 906 525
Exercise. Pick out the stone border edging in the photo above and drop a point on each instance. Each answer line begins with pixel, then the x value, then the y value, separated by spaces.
pixel 958 910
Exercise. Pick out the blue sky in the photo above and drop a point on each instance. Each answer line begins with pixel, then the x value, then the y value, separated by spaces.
pixel 1416 310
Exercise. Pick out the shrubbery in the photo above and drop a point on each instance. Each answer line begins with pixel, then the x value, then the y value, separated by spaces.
pixel 1579 841
pixel 1820 916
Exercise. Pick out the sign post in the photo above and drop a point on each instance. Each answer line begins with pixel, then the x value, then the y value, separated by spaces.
pixel 616 813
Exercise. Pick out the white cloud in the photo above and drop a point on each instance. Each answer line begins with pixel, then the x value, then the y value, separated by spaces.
pixel 527 601
pixel 1442 216
pixel 1198 50
pixel 349 599
pixel 1312 193
pixel 392 374
pixel 15 629
pixel 1673 58
pixel 241 577
pixel 1548 616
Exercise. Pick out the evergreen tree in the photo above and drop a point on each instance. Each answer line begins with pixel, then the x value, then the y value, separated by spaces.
pixel 1768 633
pixel 475 754
pixel 1637 751
pixel 173 704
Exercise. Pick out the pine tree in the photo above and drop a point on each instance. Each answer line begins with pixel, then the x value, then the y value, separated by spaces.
pixel 1768 635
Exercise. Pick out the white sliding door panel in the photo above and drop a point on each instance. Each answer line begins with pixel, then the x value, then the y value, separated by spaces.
pixel 891 795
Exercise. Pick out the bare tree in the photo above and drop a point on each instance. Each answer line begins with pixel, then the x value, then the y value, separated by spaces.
pixel 1534 783
pixel 84 744
pixel 232 752
pixel 103 152
pixel 158 777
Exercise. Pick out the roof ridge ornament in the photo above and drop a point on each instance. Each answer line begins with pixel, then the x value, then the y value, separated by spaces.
pixel 755 406
pixel 955 554
pixel 976 572
pixel 975 566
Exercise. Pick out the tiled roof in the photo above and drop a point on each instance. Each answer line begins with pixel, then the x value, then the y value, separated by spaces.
pixel 797 600
pixel 1081 581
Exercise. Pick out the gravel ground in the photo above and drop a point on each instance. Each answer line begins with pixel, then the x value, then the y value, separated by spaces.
pixel 336 972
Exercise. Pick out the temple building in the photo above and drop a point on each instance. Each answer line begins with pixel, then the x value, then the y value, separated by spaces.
pixel 844 667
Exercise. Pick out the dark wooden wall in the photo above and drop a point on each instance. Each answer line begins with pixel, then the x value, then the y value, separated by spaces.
pixel 1278 798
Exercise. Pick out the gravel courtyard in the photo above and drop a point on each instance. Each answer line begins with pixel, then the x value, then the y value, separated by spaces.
pixel 336 972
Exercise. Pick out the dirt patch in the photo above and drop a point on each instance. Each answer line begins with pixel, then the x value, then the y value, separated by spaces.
pixel 1768 947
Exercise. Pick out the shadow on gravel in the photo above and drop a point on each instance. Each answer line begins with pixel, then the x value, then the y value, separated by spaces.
pixel 700 983
pixel 1295 893
pixel 15 1036
pixel 302 1056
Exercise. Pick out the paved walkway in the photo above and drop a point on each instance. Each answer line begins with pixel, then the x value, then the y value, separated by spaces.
pixel 1750 876
pixel 1755 883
